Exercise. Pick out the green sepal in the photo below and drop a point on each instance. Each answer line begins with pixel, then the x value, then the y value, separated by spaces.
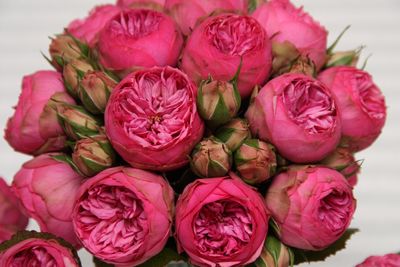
pixel 252 6
pixel 224 134
pixel 252 143
pixel 221 114
pixel 335 43
pixel 68 160
pixel 365 62
pixel 239 160
pixel 344 61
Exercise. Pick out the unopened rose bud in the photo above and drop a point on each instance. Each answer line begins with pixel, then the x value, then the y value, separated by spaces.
pixel 344 58
pixel 302 65
pixel 283 55
pixel 234 133
pixel 255 161
pixel 254 4
pixel 211 158
pixel 95 89
pixel 218 102
pixel 63 49
pixel 73 73
pixel 274 254
pixel 93 154
pixel 77 122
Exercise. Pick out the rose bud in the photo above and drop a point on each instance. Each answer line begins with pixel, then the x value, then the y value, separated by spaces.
pixel 274 254
pixel 73 73
pixel 47 188
pixel 388 260
pixel 123 216
pixel 188 13
pixel 298 115
pixel 87 29
pixel 220 44
pixel 221 222
pixel 11 217
pixel 149 4
pixel 63 49
pixel 152 120
pixel 361 103
pixel 218 102
pixel 211 158
pixel 95 89
pixel 77 122
pixel 234 133
pixel 34 128
pixel 312 206
pixel 38 249
pixel 93 155
pixel 343 161
pixel 285 23
pixel 255 161
pixel 139 38
pixel 344 58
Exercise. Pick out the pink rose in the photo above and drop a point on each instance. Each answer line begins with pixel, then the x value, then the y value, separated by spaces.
pixel 47 188
pixel 123 216
pixel 34 127
pixel 312 206
pixel 298 115
pixel 151 119
pixel 37 249
pixel 217 46
pixel 11 217
pixel 361 103
pixel 152 4
pixel 389 260
pixel 87 29
pixel 187 13
pixel 284 22
pixel 139 38
pixel 221 222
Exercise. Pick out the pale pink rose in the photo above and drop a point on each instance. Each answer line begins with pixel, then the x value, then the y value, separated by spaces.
pixel 152 120
pixel 123 216
pixel 152 4
pixel 298 115
pixel 361 103
pixel 188 13
pixel 87 29
pixel 221 222
pixel 139 38
pixel 284 22
pixel 217 46
pixel 38 249
pixel 388 260
pixel 47 189
pixel 312 206
pixel 34 128
pixel 11 217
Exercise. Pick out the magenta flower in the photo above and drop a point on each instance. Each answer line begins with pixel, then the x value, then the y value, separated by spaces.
pixel 312 206
pixel 388 260
pixel 298 115
pixel 123 216
pixel 151 119
pixel 221 222
pixel 217 46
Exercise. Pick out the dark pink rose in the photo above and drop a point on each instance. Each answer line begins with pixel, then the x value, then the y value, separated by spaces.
pixel 31 249
pixel 221 222
pixel 152 4
pixel 217 46
pixel 298 115
pixel 34 127
pixel 87 29
pixel 188 13
pixel 11 217
pixel 47 189
pixel 152 120
pixel 139 38
pixel 284 22
pixel 123 216
pixel 361 103
pixel 312 206
pixel 389 260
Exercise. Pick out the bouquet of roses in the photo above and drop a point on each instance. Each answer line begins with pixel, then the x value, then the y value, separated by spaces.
pixel 209 133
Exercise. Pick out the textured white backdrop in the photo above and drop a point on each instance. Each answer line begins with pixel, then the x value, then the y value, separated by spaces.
pixel 25 26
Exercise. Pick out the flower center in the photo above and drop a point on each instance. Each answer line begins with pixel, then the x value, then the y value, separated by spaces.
pixel 113 221
pixel 310 105
pixel 222 228
pixel 35 256
pixel 154 108
pixel 235 35
pixel 334 210
pixel 136 23
pixel 372 100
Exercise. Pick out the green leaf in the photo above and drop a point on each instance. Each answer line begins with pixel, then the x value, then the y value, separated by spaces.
pixel 163 258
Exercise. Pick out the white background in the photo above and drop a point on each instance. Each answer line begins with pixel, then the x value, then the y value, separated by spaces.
pixel 26 24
